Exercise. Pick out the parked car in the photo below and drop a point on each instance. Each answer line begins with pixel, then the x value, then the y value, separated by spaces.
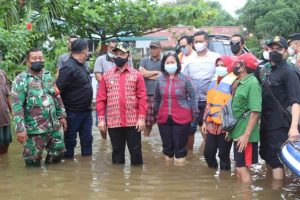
pixel 219 44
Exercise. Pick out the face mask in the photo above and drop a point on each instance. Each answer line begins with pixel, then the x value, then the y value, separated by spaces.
pixel 110 55
pixel 171 68
pixel 236 71
pixel 266 55
pixel 235 48
pixel 37 66
pixel 184 50
pixel 276 57
pixel 221 71
pixel 291 51
pixel 200 46
pixel 120 62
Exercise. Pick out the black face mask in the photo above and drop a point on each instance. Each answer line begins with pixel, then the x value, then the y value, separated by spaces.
pixel 236 71
pixel 235 48
pixel 37 66
pixel 276 57
pixel 120 62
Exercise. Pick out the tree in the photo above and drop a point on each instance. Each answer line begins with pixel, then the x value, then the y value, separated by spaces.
pixel 127 17
pixel 29 23
pixel 217 15
pixel 266 18
pixel 221 17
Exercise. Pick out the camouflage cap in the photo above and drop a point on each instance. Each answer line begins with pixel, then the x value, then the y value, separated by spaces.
pixel 123 46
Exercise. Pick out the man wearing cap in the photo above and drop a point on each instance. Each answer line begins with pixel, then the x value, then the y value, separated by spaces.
pixel 294 47
pixel 122 94
pixel 77 93
pixel 103 64
pixel 281 89
pixel 246 107
pixel 150 69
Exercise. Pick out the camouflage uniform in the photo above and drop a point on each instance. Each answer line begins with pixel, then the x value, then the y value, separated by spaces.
pixel 37 110
pixel 264 71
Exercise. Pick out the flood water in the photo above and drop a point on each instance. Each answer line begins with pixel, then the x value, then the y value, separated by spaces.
pixel 95 177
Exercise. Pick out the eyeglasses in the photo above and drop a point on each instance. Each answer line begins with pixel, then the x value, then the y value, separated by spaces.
pixel 169 53
pixel 220 65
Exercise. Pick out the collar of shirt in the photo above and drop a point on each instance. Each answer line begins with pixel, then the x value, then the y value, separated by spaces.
pixel 279 65
pixel 79 63
pixel 155 60
pixel 29 74
pixel 246 79
pixel 127 68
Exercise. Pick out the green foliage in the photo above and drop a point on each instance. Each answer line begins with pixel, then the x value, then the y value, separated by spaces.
pixel 254 46
pixel 129 17
pixel 215 14
pixel 266 18
pixel 29 23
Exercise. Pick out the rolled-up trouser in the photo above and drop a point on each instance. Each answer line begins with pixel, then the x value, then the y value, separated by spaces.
pixel 81 122
pixel 35 144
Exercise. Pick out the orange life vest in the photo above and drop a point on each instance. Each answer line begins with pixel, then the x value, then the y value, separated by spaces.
pixel 217 96
pixel 180 56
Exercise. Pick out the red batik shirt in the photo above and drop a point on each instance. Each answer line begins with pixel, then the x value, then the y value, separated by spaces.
pixel 123 96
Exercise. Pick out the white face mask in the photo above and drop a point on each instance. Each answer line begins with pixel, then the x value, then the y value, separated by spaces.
pixel 221 71
pixel 200 46
pixel 266 55
pixel 291 51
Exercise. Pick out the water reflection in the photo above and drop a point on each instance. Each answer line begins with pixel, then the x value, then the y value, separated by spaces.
pixel 96 178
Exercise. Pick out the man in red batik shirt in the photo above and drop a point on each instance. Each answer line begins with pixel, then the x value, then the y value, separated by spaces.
pixel 122 94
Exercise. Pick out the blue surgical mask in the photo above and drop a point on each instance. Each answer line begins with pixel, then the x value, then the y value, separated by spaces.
pixel 171 68
pixel 221 71
pixel 184 50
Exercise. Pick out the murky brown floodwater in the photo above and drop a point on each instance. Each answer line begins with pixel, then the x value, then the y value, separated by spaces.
pixel 96 178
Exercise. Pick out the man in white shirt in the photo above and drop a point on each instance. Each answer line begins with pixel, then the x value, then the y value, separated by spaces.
pixel 187 53
pixel 201 70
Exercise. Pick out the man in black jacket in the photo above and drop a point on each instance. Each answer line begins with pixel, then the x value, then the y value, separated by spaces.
pixel 76 92
pixel 281 89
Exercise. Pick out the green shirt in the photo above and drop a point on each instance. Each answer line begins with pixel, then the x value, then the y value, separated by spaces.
pixel 247 97
pixel 36 107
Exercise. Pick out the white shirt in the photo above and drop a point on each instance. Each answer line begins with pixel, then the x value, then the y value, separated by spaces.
pixel 201 70
pixel 187 59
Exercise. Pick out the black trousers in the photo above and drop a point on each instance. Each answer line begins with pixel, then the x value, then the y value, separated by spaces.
pixel 212 145
pixel 119 137
pixel 174 138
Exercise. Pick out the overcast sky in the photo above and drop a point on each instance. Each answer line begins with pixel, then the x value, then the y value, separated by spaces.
pixel 229 5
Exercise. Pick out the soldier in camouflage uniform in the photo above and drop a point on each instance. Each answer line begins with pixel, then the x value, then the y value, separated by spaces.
pixel 38 112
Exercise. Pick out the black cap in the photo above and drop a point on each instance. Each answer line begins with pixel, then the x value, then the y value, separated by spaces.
pixel 295 36
pixel 123 46
pixel 279 40
pixel 79 45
